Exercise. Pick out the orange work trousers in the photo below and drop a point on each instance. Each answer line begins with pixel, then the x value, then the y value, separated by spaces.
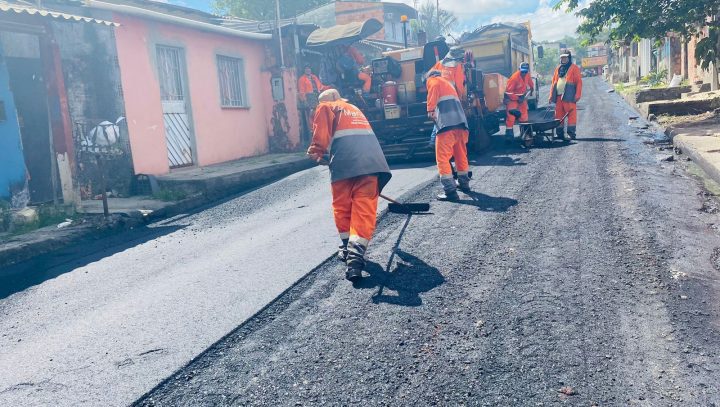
pixel 561 108
pixel 354 205
pixel 452 144
pixel 510 119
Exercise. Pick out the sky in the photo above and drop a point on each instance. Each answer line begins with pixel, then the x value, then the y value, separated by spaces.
pixel 546 23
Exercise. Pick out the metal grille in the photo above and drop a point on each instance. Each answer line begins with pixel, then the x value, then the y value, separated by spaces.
pixel 171 84
pixel 231 72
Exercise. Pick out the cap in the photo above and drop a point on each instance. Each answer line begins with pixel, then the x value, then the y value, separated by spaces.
pixel 524 67
pixel 330 95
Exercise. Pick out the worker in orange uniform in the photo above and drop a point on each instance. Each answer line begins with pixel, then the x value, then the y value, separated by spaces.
pixel 309 83
pixel 358 172
pixel 566 91
pixel 518 87
pixel 444 107
pixel 451 67
pixel 365 76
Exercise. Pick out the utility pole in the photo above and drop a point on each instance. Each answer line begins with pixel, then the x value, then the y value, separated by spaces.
pixel 714 68
pixel 437 15
pixel 280 44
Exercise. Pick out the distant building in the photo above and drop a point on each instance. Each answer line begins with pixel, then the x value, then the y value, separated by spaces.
pixel 343 12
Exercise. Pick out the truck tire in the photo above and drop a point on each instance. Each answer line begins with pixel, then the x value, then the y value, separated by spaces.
pixel 479 141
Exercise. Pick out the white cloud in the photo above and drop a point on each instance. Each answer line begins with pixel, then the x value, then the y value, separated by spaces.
pixel 546 23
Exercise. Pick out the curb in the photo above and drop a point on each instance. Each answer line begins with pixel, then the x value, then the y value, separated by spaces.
pixel 697 157
pixel 213 192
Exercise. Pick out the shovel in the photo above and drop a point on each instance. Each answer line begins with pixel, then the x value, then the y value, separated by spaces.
pixel 406 208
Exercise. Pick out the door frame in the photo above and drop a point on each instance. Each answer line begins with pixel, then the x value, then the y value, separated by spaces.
pixel 186 93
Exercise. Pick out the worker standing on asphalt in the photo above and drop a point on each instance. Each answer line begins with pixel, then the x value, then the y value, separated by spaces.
pixel 358 172
pixel 451 67
pixel 518 87
pixel 566 92
pixel 444 107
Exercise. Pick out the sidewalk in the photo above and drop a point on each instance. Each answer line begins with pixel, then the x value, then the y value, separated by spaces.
pixel 178 192
pixel 695 135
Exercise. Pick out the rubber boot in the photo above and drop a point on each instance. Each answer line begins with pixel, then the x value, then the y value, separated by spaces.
pixel 560 133
pixel 509 135
pixel 571 132
pixel 464 183
pixel 449 190
pixel 355 261
pixel 343 251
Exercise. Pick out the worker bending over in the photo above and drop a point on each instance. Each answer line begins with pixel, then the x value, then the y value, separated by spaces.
pixel 358 172
pixel 519 86
pixel 566 90
pixel 444 107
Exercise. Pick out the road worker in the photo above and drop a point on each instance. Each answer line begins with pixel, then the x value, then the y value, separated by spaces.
pixel 451 67
pixel 343 139
pixel 365 76
pixel 566 90
pixel 444 107
pixel 519 86
pixel 309 83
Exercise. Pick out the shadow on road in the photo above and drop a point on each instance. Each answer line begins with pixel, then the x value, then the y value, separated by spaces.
pixel 410 277
pixel 487 203
pixel 33 272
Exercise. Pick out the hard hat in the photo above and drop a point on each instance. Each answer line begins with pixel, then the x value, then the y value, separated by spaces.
pixel 456 53
pixel 525 67
pixel 329 95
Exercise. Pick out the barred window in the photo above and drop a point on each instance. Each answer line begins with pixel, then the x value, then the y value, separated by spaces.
pixel 231 72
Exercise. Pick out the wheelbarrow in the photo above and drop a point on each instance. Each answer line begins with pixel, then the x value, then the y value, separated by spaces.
pixel 539 129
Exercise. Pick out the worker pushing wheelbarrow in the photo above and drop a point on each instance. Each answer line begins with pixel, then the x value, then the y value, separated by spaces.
pixel 540 126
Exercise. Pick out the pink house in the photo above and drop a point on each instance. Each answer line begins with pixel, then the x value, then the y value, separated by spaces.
pixel 196 92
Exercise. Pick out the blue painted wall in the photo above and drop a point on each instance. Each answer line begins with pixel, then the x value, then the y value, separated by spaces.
pixel 12 162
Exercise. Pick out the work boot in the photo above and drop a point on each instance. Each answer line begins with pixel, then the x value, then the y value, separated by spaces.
pixel 355 261
pixel 343 251
pixel 464 183
pixel 571 132
pixel 509 135
pixel 560 133
pixel 449 190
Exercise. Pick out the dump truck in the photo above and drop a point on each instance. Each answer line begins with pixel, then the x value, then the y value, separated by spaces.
pixel 500 48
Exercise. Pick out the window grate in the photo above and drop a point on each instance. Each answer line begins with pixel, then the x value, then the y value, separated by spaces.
pixel 231 74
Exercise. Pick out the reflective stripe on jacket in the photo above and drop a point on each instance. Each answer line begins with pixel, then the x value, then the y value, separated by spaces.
pixel 573 89
pixel 454 72
pixel 342 130
pixel 518 85
pixel 443 100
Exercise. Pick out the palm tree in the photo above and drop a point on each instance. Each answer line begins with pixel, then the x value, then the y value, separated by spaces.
pixel 428 20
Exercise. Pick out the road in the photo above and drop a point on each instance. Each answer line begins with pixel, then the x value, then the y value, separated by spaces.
pixel 581 274
pixel 132 309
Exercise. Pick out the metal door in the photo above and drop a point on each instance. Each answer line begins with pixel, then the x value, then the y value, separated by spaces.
pixel 178 131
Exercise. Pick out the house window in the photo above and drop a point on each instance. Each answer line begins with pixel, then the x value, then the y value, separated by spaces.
pixel 231 74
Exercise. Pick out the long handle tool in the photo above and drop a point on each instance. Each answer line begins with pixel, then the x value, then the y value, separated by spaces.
pixel 397 207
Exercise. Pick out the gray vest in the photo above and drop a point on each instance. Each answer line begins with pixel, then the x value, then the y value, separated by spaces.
pixel 356 152
pixel 450 114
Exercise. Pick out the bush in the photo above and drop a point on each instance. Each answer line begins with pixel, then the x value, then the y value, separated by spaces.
pixel 655 78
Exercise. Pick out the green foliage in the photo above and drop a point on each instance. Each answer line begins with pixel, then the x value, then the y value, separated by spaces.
pixel 264 9
pixel 631 20
pixel 428 20
pixel 546 66
pixel 707 48
pixel 655 78
pixel 170 195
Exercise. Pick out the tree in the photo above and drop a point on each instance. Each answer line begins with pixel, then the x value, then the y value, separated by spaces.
pixel 628 20
pixel 428 20
pixel 264 9
pixel 547 64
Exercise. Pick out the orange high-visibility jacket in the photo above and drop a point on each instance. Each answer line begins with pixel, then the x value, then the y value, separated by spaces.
pixel 309 84
pixel 518 85
pixel 443 100
pixel 573 89
pixel 454 74
pixel 343 130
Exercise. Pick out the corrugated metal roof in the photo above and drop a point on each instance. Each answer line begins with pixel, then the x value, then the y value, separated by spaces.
pixel 19 9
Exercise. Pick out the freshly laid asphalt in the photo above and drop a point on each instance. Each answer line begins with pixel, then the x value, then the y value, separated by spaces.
pixel 581 274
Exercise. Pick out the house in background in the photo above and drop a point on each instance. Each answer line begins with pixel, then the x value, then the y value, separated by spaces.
pixel 343 12
pixel 58 76
pixel 196 91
